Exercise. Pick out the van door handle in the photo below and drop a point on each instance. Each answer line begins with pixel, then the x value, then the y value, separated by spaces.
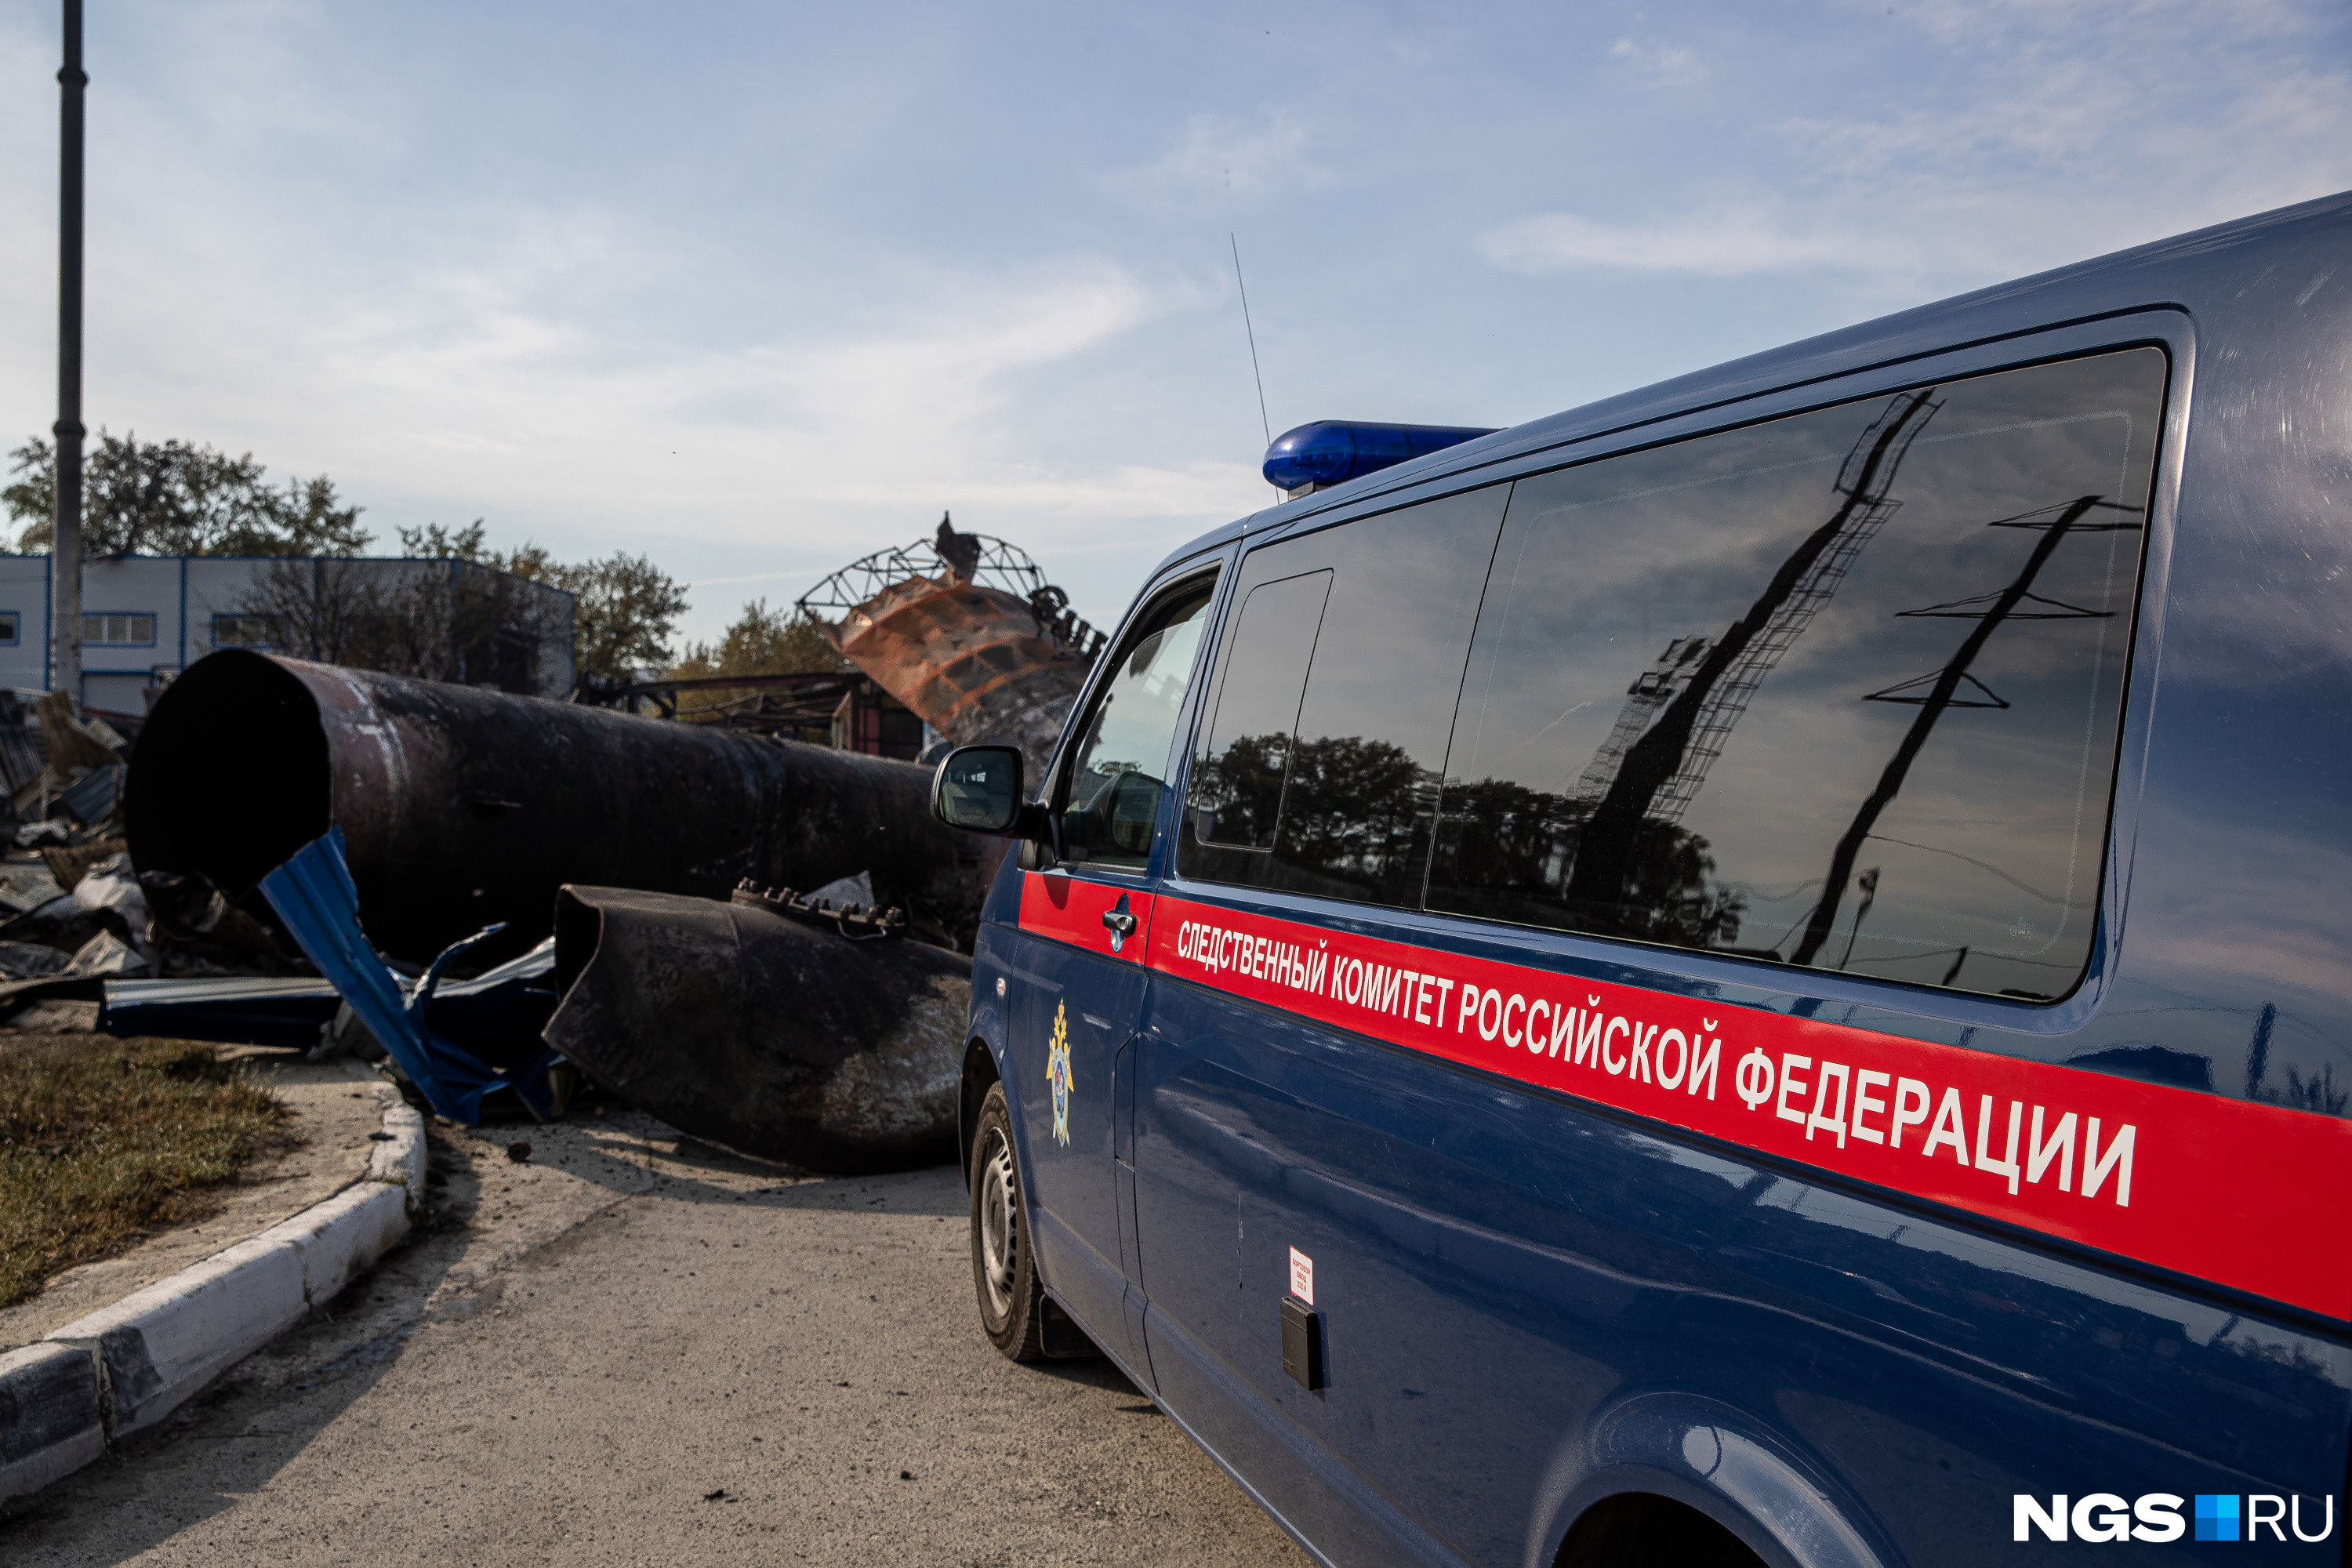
pixel 1120 923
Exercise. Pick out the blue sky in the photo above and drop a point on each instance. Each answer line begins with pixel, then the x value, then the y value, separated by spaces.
pixel 755 289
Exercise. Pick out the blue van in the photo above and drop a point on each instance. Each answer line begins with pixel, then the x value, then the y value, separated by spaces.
pixel 1759 971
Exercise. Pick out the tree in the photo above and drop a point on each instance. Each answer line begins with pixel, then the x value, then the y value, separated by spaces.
pixel 764 642
pixel 172 497
pixel 624 607
pixel 461 621
pixel 1510 852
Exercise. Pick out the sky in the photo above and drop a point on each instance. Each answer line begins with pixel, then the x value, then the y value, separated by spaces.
pixel 755 289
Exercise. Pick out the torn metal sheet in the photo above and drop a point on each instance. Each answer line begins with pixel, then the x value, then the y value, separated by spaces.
pixel 763 1034
pixel 496 1014
pixel 314 895
pixel 462 807
pixel 92 798
pixel 233 1010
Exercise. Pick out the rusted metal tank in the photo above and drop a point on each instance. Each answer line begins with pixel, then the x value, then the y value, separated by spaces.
pixel 764 1035
pixel 964 630
pixel 461 806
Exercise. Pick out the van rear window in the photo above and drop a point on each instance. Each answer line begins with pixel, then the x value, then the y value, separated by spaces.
pixel 1841 691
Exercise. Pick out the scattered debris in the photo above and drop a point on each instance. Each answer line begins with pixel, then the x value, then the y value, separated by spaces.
pixel 70 742
pixel 27 960
pixel 764 1036
pixel 833 903
pixel 196 929
pixel 519 1152
pixel 55 1017
pixel 345 1034
pixel 68 865
pixel 314 895
pixel 90 799
pixel 110 886
pixel 104 955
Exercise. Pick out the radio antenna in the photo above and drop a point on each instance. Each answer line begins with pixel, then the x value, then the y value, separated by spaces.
pixel 1264 423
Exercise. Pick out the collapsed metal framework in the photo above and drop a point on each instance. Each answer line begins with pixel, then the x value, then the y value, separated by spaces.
pixel 993 564
pixel 950 556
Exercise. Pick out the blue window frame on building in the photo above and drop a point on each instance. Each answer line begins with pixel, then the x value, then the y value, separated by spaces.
pixel 117 628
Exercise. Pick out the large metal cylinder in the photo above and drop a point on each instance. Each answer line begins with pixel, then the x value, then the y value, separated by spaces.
pixel 461 805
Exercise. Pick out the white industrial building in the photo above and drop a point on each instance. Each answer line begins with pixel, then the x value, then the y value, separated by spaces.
pixel 147 617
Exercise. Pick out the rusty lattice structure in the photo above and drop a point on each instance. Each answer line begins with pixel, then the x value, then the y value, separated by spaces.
pixel 964 629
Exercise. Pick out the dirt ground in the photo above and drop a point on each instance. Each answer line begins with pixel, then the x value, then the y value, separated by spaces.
pixel 629 1350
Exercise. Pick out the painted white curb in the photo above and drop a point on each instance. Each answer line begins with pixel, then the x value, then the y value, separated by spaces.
pixel 50 1421
pixel 127 1366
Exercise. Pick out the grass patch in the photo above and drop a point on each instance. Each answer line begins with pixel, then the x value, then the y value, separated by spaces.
pixel 103 1139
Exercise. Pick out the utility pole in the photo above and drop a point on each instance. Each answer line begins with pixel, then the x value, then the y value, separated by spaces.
pixel 65 549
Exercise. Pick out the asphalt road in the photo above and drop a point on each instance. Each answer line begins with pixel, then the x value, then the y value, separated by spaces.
pixel 634 1350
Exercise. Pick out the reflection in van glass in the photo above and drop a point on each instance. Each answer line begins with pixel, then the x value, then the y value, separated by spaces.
pixel 1237 787
pixel 1318 771
pixel 1840 690
pixel 1122 763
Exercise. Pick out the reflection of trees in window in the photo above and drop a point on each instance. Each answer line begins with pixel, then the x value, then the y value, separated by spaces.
pixel 1348 810
pixel 1237 796
pixel 1515 845
pixel 1354 810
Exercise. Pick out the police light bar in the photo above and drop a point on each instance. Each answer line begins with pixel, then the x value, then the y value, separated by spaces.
pixel 1332 451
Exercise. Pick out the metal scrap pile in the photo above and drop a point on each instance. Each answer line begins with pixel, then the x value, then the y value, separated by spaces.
pixel 73 912
pixel 502 895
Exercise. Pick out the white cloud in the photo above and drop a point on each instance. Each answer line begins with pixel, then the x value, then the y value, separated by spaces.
pixel 1221 160
pixel 2040 134
pixel 1725 242
pixel 1657 65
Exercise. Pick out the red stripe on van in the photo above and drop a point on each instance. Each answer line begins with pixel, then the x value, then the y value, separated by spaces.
pixel 1070 910
pixel 2243 1195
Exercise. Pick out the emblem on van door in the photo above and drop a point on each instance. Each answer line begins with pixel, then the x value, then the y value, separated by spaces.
pixel 1057 1074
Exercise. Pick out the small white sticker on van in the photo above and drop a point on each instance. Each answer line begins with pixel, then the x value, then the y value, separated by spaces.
pixel 1302 1276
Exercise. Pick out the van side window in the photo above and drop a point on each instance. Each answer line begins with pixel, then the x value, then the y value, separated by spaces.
pixel 1337 680
pixel 1238 784
pixel 1110 796
pixel 1841 691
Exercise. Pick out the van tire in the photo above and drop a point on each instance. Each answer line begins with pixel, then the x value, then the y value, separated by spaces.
pixel 1012 1307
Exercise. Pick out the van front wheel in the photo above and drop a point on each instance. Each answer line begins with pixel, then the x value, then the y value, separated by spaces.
pixel 1004 1264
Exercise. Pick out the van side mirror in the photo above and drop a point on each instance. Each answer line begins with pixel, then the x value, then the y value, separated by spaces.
pixel 978 789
